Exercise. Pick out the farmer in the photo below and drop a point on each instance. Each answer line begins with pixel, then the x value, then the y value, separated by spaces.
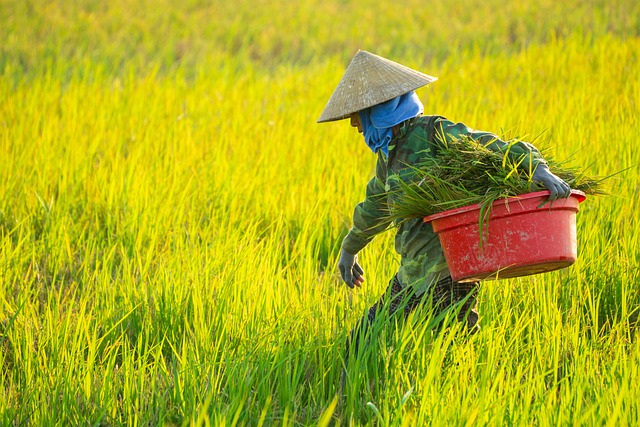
pixel 378 97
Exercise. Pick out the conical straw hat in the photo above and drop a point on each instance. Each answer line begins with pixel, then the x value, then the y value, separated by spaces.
pixel 368 81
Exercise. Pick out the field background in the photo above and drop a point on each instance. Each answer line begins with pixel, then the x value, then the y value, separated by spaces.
pixel 171 214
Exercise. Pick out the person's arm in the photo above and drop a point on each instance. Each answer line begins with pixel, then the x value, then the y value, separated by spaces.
pixel 369 215
pixel 522 153
pixel 368 220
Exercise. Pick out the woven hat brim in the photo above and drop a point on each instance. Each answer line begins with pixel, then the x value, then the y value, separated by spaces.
pixel 370 80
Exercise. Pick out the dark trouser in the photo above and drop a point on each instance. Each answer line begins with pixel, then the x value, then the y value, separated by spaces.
pixel 446 293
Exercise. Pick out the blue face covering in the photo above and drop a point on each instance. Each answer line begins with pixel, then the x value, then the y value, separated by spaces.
pixel 378 120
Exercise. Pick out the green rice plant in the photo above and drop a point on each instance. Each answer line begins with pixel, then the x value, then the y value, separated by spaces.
pixel 465 172
pixel 171 215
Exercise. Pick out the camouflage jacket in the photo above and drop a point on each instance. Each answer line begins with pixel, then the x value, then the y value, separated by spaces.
pixel 422 260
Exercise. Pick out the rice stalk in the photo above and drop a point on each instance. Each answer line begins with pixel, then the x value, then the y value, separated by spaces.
pixel 466 172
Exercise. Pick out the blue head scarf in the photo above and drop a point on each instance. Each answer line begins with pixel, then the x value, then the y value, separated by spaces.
pixel 378 120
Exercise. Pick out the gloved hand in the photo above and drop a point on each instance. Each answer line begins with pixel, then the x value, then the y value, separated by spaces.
pixel 556 186
pixel 350 270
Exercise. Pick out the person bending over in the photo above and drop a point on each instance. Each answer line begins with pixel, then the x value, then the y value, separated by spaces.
pixel 378 97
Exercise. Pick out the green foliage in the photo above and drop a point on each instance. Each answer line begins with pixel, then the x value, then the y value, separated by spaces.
pixel 169 225
pixel 70 37
pixel 465 172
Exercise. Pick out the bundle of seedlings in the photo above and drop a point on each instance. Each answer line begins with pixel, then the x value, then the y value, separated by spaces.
pixel 465 172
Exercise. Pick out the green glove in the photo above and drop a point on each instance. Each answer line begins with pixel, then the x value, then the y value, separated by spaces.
pixel 350 270
pixel 556 186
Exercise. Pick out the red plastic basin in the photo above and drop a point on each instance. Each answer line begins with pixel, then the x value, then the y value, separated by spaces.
pixel 522 238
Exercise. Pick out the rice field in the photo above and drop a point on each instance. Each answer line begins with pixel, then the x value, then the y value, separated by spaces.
pixel 171 215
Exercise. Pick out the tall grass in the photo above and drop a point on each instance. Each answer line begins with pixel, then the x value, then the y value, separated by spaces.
pixel 124 35
pixel 169 235
pixel 465 172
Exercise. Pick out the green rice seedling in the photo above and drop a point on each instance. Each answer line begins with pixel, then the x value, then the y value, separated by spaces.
pixel 171 215
pixel 465 172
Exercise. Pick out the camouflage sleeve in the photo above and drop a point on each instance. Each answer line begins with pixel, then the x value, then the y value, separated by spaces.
pixel 368 215
pixel 520 152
